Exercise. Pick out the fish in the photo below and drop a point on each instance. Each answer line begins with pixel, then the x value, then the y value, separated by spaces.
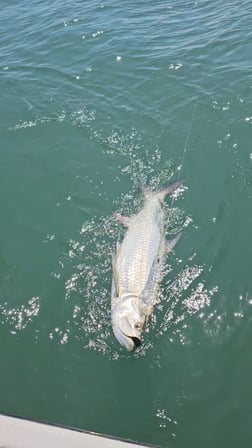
pixel 138 267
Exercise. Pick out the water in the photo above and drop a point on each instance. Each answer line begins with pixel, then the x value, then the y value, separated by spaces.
pixel 96 99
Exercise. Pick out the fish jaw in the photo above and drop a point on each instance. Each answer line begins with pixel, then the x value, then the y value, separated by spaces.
pixel 125 341
pixel 127 321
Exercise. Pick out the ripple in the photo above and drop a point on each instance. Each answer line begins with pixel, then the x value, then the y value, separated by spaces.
pixel 19 318
pixel 87 261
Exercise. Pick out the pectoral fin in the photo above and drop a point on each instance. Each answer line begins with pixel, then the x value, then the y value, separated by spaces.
pixel 115 276
pixel 118 248
pixel 148 293
pixel 125 220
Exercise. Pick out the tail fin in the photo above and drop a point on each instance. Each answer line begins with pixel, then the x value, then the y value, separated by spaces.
pixel 169 189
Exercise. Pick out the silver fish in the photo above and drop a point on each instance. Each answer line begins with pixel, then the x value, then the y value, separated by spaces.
pixel 138 267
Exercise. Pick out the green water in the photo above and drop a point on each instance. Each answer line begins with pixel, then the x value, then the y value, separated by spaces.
pixel 96 99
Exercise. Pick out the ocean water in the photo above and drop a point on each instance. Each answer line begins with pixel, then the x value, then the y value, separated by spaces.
pixel 98 98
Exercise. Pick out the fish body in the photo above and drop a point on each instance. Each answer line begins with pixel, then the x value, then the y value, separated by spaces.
pixel 138 266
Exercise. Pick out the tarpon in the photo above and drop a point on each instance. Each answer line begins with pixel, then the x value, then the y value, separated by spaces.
pixel 138 265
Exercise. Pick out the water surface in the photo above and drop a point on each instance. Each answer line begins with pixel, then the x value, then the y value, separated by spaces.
pixel 98 98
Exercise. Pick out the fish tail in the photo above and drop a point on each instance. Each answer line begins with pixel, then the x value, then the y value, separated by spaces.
pixel 167 190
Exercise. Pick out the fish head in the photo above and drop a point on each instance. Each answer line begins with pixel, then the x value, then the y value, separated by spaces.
pixel 128 325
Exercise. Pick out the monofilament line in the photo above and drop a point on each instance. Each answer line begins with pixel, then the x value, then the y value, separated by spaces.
pixel 186 144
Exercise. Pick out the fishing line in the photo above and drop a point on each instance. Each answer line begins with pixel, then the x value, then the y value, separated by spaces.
pixel 186 145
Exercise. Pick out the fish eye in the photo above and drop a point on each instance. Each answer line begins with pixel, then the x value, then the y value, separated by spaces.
pixel 138 326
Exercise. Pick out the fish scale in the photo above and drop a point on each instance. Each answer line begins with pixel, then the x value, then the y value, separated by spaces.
pixel 140 246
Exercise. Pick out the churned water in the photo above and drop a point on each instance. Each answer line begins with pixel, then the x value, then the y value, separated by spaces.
pixel 97 99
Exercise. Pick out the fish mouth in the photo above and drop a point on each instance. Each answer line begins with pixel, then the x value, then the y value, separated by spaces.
pixel 132 336
pixel 137 341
